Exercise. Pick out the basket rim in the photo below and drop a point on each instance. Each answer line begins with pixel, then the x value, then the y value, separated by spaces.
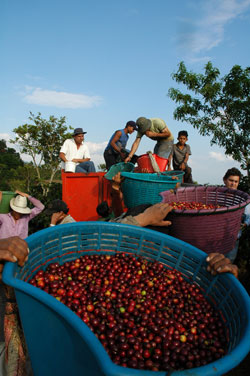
pixel 151 177
pixel 209 189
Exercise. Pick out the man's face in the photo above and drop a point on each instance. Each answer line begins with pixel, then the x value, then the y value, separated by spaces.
pixel 182 140
pixel 16 215
pixel 130 129
pixel 79 138
pixel 232 181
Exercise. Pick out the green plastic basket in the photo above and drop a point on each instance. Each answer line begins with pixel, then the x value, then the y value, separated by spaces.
pixel 119 167
pixel 140 188
pixel 5 203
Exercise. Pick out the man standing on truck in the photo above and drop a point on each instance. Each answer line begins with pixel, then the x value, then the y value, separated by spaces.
pixel 116 149
pixel 74 150
pixel 157 130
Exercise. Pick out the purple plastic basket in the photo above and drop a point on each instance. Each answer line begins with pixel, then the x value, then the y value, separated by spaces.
pixel 213 230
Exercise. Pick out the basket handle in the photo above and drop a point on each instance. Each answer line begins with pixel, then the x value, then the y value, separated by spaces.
pixel 154 164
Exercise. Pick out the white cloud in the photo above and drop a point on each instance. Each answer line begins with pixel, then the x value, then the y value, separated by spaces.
pixel 60 99
pixel 5 136
pixel 96 152
pixel 203 35
pixel 220 157
pixel 95 147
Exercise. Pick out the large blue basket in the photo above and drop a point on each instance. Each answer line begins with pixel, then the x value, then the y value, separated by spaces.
pixel 142 188
pixel 59 342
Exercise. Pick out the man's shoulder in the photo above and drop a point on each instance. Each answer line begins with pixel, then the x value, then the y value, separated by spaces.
pixel 175 146
pixel 69 141
pixel 158 121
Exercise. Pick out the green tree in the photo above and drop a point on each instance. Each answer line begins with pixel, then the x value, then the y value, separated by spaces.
pixel 10 161
pixel 220 107
pixel 102 167
pixel 43 219
pixel 42 141
pixel 23 178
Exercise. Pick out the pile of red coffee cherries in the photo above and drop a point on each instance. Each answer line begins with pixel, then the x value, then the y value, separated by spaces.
pixel 146 316
pixel 193 205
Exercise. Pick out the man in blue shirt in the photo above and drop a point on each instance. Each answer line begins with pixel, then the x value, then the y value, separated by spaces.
pixel 116 149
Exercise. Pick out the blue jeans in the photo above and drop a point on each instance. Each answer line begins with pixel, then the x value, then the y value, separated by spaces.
pixel 163 148
pixel 85 167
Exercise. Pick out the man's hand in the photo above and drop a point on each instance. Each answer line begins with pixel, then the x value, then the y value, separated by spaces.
pixel 56 217
pixel 218 263
pixel 128 159
pixel 182 166
pixel 152 135
pixel 154 215
pixel 22 193
pixel 14 249
pixel 116 181
pixel 123 155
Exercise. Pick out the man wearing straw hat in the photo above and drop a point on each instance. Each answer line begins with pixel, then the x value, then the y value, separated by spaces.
pixel 157 130
pixel 76 151
pixel 116 149
pixel 16 223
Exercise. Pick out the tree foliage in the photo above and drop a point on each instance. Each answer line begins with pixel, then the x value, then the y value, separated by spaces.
pixel 219 107
pixel 102 167
pixel 10 161
pixel 42 141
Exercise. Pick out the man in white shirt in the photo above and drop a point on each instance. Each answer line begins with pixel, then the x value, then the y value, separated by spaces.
pixel 74 150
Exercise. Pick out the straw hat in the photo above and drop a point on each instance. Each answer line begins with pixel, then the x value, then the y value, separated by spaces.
pixel 19 204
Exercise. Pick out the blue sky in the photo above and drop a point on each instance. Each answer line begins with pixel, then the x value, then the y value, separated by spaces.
pixel 102 63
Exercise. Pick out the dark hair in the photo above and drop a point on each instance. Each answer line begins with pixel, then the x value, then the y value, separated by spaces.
pixel 131 123
pixel 183 133
pixel 56 206
pixel 103 209
pixel 232 172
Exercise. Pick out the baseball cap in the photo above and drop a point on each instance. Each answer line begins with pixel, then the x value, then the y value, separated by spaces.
pixel 143 124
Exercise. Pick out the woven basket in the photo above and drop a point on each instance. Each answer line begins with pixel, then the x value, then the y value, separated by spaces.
pixel 139 188
pixel 213 230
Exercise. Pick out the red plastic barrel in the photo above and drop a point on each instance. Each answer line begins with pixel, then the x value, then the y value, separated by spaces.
pixel 144 163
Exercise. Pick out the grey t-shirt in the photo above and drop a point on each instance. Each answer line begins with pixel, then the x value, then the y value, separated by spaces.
pixel 179 154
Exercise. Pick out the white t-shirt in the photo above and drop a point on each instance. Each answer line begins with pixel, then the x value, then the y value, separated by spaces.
pixel 70 150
